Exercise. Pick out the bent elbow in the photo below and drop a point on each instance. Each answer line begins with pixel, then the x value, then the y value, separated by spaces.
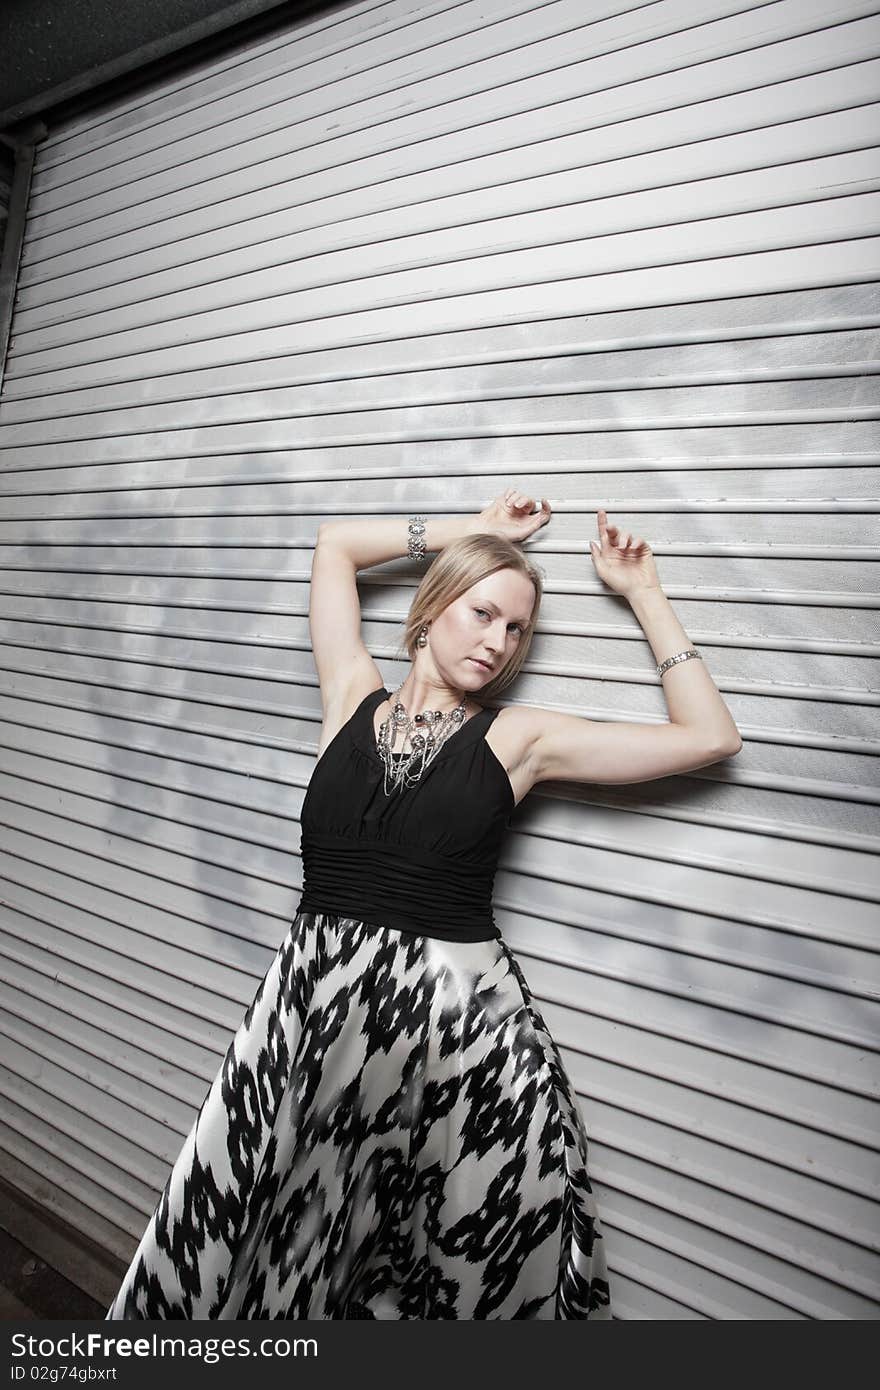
pixel 728 748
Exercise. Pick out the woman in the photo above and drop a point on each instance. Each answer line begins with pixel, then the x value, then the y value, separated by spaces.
pixel 392 1133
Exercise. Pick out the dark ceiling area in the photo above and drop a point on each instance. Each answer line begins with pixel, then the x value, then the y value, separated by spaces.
pixel 58 54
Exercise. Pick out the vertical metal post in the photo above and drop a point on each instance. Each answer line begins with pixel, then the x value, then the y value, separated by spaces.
pixel 24 148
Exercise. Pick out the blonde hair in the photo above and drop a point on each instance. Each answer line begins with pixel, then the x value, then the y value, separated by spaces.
pixel 459 565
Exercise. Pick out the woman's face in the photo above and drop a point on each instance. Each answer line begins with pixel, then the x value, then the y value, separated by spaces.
pixel 484 625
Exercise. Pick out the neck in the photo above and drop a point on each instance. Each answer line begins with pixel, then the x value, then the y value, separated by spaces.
pixel 418 694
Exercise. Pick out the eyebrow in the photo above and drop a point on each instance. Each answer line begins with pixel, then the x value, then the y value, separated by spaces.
pixel 488 603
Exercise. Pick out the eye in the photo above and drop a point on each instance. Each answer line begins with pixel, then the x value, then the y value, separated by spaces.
pixel 485 614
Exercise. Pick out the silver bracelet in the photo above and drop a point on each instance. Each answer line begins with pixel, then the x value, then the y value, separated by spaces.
pixel 674 660
pixel 416 550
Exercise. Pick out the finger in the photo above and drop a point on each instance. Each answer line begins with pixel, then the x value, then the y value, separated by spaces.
pixel 625 540
pixel 602 524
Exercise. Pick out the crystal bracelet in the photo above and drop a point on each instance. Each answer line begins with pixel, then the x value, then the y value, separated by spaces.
pixel 416 549
pixel 674 660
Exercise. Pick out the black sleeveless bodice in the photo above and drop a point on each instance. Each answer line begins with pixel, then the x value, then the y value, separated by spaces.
pixel 420 860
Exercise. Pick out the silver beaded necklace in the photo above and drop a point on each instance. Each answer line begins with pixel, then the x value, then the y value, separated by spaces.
pixel 428 732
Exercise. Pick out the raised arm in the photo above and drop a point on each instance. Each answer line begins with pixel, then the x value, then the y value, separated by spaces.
pixel 343 663
pixel 700 729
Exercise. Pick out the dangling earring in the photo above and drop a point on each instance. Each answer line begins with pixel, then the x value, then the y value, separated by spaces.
pixel 422 639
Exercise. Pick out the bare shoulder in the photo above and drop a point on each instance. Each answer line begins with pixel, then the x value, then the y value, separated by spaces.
pixel 521 725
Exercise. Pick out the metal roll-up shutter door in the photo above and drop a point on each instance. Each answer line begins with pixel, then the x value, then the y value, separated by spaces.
pixel 389 260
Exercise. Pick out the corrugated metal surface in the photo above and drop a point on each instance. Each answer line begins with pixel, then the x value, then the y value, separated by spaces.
pixel 391 260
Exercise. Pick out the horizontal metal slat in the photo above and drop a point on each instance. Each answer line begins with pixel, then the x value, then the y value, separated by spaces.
pixel 733 990
pixel 751 1276
pixel 320 287
pixel 81 792
pixel 180 403
pixel 770 810
pixel 833 584
pixel 25 863
pixel 194 606
pixel 456 162
pixel 770 931
pixel 742 270
pixel 99 1057
pixel 612 51
pixel 213 925
pixel 89 795
pixel 76 1138
pixel 719 985
pixel 70 1191
pixel 43 1087
pixel 645 191
pixel 681 1270
pixel 782 931
pixel 795 1122
pixel 250 716
pixel 164 611
pixel 225 828
pixel 553 464
pixel 31 918
pixel 244 73
pixel 837 679
pixel 100 1062
pixel 186 757
pixel 661 509
pixel 157 978
pixel 691 1020
pixel 513 43
pixel 782 1214
pixel 717 327
pixel 538 383
pixel 634 1299
pixel 63 734
pixel 190 876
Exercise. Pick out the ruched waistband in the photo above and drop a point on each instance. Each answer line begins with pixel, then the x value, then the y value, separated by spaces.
pixel 396 886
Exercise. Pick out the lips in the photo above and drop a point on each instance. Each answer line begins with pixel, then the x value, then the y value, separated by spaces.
pixel 483 664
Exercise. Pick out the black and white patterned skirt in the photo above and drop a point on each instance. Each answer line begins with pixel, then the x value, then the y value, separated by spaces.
pixel 392 1134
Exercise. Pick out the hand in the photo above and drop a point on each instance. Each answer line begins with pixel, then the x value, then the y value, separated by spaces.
pixel 623 562
pixel 511 515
